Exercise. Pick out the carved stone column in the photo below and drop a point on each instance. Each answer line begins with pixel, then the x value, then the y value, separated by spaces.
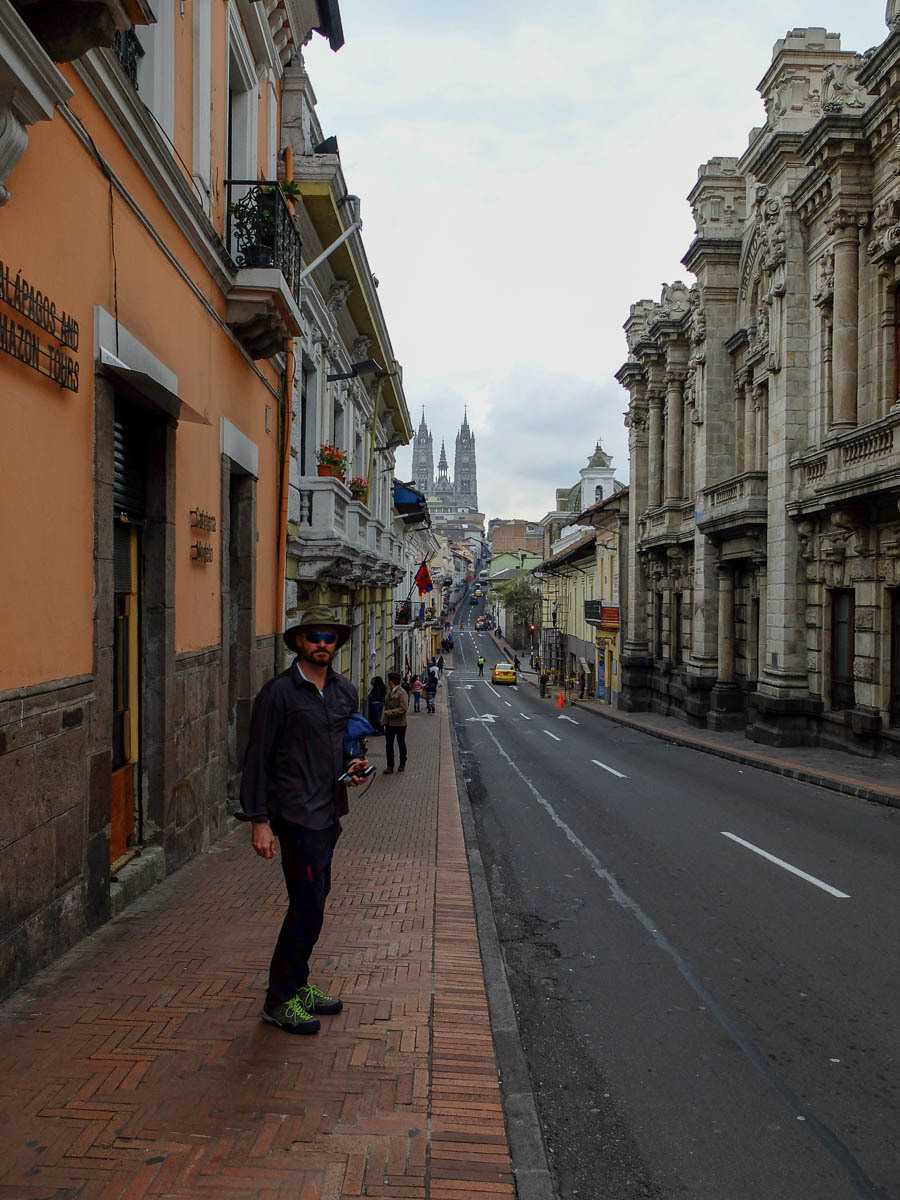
pixel 726 701
pixel 845 338
pixel 674 433
pixel 749 457
pixel 726 625
pixel 740 403
pixel 761 413
pixel 654 465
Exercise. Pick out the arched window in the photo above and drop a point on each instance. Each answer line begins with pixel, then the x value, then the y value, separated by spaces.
pixel 598 492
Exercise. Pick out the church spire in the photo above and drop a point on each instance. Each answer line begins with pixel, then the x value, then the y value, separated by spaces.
pixel 443 465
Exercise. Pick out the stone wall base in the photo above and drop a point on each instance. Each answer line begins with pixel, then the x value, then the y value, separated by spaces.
pixel 697 693
pixel 637 671
pixel 727 707
pixel 783 720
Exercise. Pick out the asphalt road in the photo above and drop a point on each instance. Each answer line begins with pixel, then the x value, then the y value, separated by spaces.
pixel 699 1020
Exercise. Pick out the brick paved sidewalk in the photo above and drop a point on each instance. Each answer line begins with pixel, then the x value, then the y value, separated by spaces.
pixel 137 1066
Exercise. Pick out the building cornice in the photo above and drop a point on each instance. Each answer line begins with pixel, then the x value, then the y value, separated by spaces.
pixel 709 249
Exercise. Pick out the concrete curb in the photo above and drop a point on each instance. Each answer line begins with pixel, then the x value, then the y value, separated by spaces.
pixel 534 1180
pixel 801 774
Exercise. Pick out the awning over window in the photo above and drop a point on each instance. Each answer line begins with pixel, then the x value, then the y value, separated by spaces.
pixel 410 503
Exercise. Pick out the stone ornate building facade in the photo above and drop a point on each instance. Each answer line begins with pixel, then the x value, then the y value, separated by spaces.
pixel 764 567
pixel 447 496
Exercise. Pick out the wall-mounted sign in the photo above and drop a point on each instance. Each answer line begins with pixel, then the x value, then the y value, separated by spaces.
pixel 49 356
pixel 201 552
pixel 203 520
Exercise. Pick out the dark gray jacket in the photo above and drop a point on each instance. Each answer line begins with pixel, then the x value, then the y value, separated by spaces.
pixel 295 753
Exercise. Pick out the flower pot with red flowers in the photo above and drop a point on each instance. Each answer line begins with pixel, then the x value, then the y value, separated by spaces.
pixel 360 489
pixel 332 461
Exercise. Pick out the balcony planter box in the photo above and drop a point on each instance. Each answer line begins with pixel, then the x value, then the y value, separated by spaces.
pixel 327 471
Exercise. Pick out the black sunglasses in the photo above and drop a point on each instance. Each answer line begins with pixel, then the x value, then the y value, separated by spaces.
pixel 328 636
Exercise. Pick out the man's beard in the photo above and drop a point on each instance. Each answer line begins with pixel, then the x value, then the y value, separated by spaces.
pixel 307 656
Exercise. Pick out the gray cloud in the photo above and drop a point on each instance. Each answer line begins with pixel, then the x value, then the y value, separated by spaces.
pixel 534 430
pixel 523 169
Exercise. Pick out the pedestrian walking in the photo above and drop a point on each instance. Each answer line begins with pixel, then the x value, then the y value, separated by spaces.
pixel 417 693
pixel 440 665
pixel 481 664
pixel 516 663
pixel 431 686
pixel 292 792
pixel 377 693
pixel 395 710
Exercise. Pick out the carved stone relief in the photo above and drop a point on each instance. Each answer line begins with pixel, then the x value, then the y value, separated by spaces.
pixel 825 279
pixel 841 89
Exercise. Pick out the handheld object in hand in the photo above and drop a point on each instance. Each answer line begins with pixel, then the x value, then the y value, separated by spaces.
pixel 347 777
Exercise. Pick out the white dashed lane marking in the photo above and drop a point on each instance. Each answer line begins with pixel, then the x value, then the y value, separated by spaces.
pixel 612 771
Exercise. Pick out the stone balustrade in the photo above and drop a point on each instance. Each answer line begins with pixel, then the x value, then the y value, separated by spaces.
pixel 843 465
pixel 334 535
pixel 738 501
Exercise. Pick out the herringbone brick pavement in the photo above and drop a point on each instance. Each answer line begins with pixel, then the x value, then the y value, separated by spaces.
pixel 137 1067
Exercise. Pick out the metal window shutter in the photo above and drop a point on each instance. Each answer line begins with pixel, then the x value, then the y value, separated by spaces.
pixel 129 465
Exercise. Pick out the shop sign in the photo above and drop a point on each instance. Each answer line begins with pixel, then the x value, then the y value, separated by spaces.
pixel 204 523
pixel 50 356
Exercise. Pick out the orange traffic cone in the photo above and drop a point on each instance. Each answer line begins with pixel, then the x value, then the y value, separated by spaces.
pixel 560 700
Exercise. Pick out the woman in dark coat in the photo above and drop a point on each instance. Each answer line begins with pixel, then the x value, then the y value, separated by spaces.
pixel 377 693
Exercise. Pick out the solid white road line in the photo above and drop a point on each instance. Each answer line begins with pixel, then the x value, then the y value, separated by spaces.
pixel 487 685
pixel 553 735
pixel 515 687
pixel 618 774
pixel 507 703
pixel 826 887
pixel 569 719
pixel 523 715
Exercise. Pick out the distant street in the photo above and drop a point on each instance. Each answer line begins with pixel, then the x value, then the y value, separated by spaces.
pixel 703 956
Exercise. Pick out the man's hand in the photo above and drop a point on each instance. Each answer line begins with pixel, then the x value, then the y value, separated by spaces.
pixel 355 768
pixel 263 839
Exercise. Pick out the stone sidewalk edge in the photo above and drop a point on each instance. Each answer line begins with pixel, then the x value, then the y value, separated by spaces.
pixel 835 783
pixel 534 1180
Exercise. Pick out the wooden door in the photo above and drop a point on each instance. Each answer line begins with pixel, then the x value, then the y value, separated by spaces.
pixel 126 662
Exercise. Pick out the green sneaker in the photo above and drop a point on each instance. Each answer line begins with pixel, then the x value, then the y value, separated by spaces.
pixel 291 1016
pixel 317 1001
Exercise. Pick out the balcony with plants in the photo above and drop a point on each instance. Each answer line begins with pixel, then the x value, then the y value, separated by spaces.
pixel 262 237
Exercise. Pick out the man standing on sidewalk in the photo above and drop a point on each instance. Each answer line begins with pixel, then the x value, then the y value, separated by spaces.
pixel 291 793
pixel 395 708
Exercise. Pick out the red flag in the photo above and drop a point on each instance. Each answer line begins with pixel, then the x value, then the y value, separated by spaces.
pixel 423 580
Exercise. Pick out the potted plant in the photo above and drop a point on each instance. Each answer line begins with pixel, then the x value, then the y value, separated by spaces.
pixel 253 227
pixel 332 461
pixel 360 488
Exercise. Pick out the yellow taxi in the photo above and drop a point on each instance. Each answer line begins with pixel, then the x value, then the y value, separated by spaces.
pixel 503 672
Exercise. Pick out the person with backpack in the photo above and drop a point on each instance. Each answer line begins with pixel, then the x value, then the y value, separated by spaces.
pixel 432 682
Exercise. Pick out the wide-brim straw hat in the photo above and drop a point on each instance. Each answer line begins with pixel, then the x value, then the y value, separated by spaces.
pixel 316 618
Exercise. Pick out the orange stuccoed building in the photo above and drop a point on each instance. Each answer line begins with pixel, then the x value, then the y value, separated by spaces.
pixel 149 295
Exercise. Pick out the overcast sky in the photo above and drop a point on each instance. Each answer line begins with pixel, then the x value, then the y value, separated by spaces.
pixel 523 167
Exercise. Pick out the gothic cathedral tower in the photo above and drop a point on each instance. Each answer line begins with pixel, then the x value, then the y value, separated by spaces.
pixel 423 457
pixel 465 475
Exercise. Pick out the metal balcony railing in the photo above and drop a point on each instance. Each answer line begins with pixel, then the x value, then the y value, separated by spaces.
pixel 261 230
pixel 129 51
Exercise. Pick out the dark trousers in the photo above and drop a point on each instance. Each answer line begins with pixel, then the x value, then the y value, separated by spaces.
pixel 306 856
pixel 392 732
